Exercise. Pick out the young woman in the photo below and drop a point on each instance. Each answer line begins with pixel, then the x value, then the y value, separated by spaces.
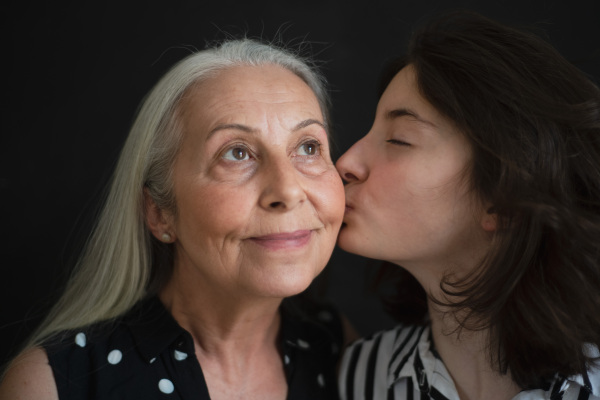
pixel 481 178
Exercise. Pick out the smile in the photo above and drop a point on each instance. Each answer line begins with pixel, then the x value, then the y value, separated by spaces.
pixel 280 241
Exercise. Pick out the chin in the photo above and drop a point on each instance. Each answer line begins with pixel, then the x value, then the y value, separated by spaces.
pixel 286 285
pixel 347 241
pixel 358 244
pixel 284 291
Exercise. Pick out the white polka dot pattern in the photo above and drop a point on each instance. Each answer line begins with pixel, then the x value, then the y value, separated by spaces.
pixel 321 380
pixel 115 357
pixel 166 386
pixel 80 339
pixel 179 355
pixel 159 354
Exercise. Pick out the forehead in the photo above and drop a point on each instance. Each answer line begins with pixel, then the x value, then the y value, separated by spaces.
pixel 269 84
pixel 403 90
pixel 403 94
pixel 256 97
pixel 249 95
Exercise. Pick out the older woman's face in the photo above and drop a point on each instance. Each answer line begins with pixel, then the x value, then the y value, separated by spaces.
pixel 259 201
pixel 408 201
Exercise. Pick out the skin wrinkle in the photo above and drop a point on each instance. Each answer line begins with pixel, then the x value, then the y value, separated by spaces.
pixel 297 173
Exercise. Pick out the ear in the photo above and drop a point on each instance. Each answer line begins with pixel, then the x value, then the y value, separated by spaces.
pixel 489 221
pixel 159 221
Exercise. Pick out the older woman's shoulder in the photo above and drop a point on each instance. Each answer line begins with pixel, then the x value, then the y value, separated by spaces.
pixel 125 355
pixel 29 376
pixel 43 372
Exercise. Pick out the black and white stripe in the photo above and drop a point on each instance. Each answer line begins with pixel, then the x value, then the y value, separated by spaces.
pixel 400 364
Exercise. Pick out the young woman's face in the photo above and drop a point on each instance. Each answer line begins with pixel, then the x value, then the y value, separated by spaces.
pixel 407 193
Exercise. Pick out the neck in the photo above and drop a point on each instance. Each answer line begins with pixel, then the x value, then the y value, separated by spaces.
pixel 222 323
pixel 235 338
pixel 466 356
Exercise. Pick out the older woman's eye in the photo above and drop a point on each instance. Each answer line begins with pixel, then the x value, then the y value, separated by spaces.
pixel 311 148
pixel 237 153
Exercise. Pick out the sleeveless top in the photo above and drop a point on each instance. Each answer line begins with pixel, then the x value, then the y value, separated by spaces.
pixel 145 354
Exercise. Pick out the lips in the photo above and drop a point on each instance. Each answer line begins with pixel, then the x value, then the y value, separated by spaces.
pixel 349 207
pixel 288 240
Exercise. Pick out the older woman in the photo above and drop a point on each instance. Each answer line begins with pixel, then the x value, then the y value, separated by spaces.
pixel 481 178
pixel 224 201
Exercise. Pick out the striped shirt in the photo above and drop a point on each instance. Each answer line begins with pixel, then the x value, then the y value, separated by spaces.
pixel 402 364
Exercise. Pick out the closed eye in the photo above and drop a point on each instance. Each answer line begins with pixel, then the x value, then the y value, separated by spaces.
pixel 398 142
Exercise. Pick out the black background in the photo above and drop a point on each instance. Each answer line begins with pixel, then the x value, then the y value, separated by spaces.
pixel 74 73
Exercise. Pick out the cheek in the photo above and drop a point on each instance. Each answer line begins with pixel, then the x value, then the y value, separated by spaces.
pixel 213 209
pixel 328 197
pixel 387 190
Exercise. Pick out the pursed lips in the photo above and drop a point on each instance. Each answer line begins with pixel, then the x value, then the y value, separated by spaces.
pixel 349 207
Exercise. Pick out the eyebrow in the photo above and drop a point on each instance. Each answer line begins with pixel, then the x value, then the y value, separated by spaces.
pixel 237 127
pixel 247 129
pixel 405 112
pixel 306 123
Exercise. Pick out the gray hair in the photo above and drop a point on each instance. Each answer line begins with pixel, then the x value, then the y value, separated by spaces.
pixel 119 263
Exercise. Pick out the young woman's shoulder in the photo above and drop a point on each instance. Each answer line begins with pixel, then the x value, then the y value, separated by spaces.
pixel 587 383
pixel 369 361
pixel 386 342
pixel 29 376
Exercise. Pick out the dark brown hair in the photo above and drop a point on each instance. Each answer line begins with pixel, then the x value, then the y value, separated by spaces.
pixel 533 120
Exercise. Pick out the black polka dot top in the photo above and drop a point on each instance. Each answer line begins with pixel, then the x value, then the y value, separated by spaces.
pixel 146 355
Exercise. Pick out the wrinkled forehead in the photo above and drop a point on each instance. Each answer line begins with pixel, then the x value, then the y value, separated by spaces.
pixel 237 86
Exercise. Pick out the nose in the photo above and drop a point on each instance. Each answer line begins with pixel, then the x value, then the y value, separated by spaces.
pixel 351 165
pixel 282 188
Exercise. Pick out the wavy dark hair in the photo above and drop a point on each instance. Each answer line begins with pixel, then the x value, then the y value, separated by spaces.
pixel 533 120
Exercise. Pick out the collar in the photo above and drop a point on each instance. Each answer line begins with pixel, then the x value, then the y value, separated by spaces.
pixel 299 329
pixel 154 329
pixel 415 358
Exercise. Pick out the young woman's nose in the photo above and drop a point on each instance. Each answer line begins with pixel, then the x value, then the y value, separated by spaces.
pixel 351 165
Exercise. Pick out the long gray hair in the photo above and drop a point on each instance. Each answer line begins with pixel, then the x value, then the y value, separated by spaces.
pixel 119 263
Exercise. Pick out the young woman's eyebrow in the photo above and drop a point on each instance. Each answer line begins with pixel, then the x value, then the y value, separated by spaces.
pixel 406 112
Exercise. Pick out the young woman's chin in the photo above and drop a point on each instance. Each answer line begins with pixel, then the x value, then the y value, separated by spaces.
pixel 351 240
